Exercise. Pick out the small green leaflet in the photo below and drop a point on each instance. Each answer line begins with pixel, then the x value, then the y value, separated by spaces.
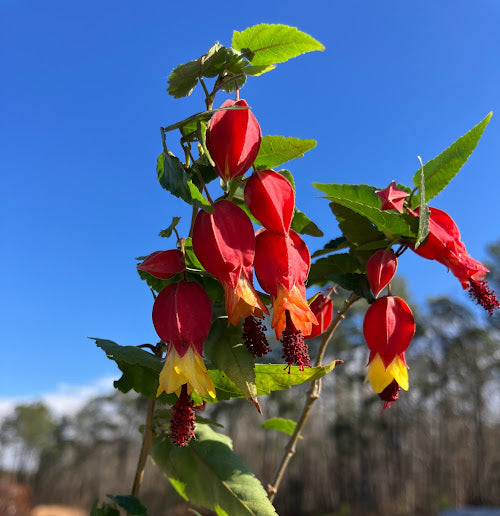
pixel 275 150
pixel 337 244
pixel 362 199
pixel 287 426
pixel 268 44
pixel 424 212
pixel 130 503
pixel 166 233
pixel 443 168
pixel 208 473
pixel 173 178
pixel 302 224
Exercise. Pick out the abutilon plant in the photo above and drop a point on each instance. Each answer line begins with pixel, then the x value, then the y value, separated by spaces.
pixel 388 328
pixel 380 269
pixel 224 243
pixel 322 308
pixel 233 139
pixel 392 197
pixel 163 264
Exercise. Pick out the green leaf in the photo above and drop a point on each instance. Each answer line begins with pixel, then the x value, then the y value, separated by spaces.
pixel 104 510
pixel 173 178
pixel 130 503
pixel 166 233
pixel 337 244
pixel 267 44
pixel 424 212
pixel 322 269
pixel 225 349
pixel 302 224
pixel 140 369
pixel 287 426
pixel 183 79
pixel 258 70
pixel 362 199
pixel 443 168
pixel 208 473
pixel 275 150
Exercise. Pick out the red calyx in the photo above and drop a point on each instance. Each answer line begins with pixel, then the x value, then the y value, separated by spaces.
pixel 380 269
pixel 182 315
pixel 271 200
pixel 163 264
pixel 322 308
pixel 388 327
pixel 224 242
pixel 281 259
pixel 392 198
pixel 233 140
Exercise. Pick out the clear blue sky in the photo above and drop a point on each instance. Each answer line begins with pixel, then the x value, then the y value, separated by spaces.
pixel 82 99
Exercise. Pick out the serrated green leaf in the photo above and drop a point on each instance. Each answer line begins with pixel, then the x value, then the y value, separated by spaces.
pixel 225 349
pixel 302 224
pixel 287 426
pixel 275 150
pixel 211 475
pixel 130 503
pixel 166 233
pixel 443 168
pixel 173 178
pixel 322 269
pixel 267 44
pixel 362 199
pixel 337 244
pixel 258 70
pixel 424 212
pixel 238 82
pixel 184 78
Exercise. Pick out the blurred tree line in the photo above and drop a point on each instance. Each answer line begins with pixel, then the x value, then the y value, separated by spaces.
pixel 438 446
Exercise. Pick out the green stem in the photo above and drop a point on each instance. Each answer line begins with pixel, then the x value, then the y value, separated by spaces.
pixel 312 396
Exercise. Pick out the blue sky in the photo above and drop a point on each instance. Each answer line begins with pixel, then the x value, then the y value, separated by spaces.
pixel 83 94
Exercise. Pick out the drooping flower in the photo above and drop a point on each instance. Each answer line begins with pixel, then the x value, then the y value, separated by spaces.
pixel 271 200
pixel 233 140
pixel 163 264
pixel 392 197
pixel 224 242
pixel 444 245
pixel 281 265
pixel 388 328
pixel 182 314
pixel 380 269
pixel 322 308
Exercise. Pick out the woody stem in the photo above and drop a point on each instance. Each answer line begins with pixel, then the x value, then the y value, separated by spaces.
pixel 312 396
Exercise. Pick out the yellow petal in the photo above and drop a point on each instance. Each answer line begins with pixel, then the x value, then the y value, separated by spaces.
pixel 380 377
pixel 189 369
pixel 243 301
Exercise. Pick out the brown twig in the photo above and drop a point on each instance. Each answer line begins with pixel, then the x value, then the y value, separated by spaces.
pixel 312 396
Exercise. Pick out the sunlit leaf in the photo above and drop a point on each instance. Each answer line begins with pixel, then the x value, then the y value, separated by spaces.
pixel 287 426
pixel 275 150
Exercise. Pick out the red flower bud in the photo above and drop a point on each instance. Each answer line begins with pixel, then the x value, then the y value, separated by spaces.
pixel 380 269
pixel 322 308
pixel 282 265
pixel 182 315
pixel 224 242
pixel 233 140
pixel 392 198
pixel 388 327
pixel 163 264
pixel 270 198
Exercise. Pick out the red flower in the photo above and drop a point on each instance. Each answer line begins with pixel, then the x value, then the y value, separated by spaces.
pixel 224 242
pixel 388 328
pixel 233 140
pixel 322 308
pixel 392 198
pixel 380 269
pixel 282 265
pixel 444 245
pixel 182 315
pixel 271 200
pixel 163 264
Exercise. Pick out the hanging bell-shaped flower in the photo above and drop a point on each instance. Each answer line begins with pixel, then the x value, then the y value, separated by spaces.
pixel 224 242
pixel 233 140
pixel 322 308
pixel 163 264
pixel 380 269
pixel 271 200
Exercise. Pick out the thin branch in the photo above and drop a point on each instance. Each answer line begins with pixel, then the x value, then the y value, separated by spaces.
pixel 312 396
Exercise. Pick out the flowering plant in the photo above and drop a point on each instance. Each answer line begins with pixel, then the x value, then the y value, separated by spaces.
pixel 208 311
